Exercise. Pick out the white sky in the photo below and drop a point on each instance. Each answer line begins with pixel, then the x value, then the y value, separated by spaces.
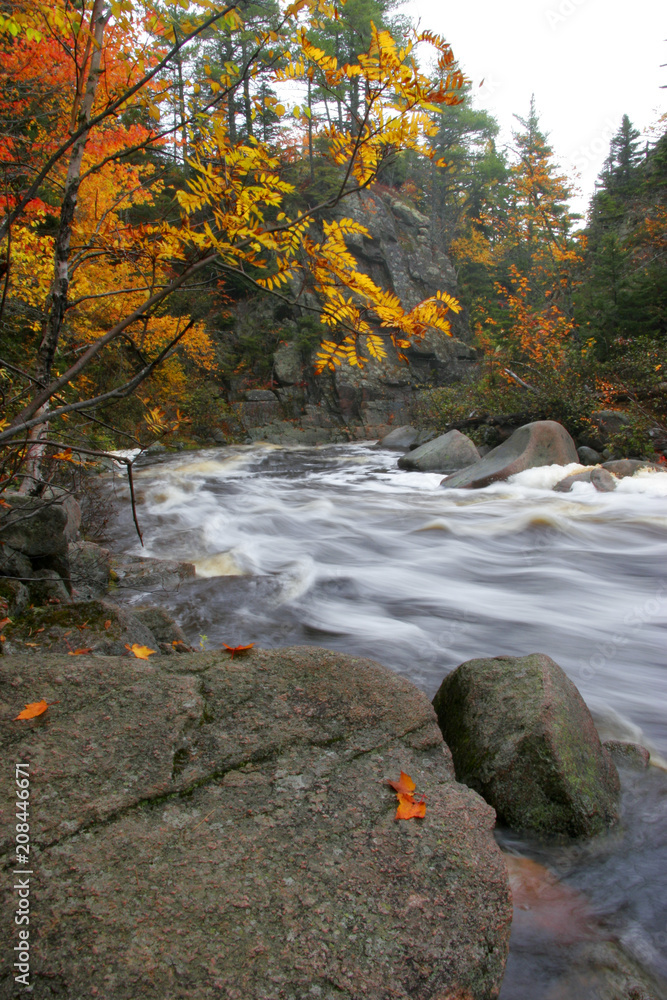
pixel 588 62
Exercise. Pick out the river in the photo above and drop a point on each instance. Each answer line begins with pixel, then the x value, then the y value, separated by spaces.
pixel 336 546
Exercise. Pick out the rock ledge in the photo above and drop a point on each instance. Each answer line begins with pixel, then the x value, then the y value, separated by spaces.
pixel 207 827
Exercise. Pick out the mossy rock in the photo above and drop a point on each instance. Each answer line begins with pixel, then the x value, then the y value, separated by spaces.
pixel 98 626
pixel 522 736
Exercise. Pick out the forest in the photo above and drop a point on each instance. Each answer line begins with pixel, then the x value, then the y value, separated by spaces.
pixel 164 164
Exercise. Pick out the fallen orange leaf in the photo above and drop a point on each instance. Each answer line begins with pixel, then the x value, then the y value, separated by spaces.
pixel 79 652
pixel 141 652
pixel 5 621
pixel 404 786
pixel 33 709
pixel 107 623
pixel 409 809
pixel 237 649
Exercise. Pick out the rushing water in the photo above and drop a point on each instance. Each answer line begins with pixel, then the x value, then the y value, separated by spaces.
pixel 336 546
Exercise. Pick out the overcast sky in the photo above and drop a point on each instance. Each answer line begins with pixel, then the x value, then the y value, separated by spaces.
pixel 588 62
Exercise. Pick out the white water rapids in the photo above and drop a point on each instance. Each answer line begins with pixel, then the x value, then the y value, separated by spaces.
pixel 335 546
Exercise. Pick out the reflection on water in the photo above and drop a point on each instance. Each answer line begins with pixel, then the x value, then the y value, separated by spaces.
pixel 336 546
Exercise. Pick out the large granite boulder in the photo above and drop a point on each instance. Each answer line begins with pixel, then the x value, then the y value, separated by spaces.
pixel 521 735
pixel 206 827
pixel 543 442
pixel 33 526
pixel 444 454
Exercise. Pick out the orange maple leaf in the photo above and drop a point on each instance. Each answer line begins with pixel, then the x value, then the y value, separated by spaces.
pixel 79 652
pixel 409 809
pixel 237 649
pixel 141 652
pixel 404 786
pixel 33 709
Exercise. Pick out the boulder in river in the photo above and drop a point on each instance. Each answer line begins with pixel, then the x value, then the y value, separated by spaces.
pixel 522 736
pixel 543 442
pixel 623 467
pixel 444 454
pixel 400 438
pixel 601 479
pixel 210 827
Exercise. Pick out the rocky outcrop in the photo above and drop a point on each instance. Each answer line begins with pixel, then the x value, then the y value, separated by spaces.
pixel 98 627
pixel 34 537
pixel 215 827
pixel 543 442
pixel 400 256
pixel 521 735
pixel 444 454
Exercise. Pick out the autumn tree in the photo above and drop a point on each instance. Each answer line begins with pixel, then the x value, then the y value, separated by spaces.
pixel 525 246
pixel 85 157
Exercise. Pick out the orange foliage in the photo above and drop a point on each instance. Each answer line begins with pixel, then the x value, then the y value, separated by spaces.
pixel 407 807
pixel 32 710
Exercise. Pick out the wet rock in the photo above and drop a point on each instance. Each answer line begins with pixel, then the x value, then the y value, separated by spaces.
pixel 522 736
pixel 601 479
pixel 224 828
pixel 623 467
pixel 47 586
pixel 157 448
pixel 444 454
pixel 14 597
pixel 164 628
pixel 425 435
pixel 588 456
pixel 142 573
pixel 543 442
pixel 628 754
pixel 90 569
pixel 98 626
pixel 400 438
pixel 33 526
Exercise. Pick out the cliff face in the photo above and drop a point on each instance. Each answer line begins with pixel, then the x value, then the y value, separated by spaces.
pixel 351 403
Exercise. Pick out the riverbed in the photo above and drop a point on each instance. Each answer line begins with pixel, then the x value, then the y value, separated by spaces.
pixel 336 546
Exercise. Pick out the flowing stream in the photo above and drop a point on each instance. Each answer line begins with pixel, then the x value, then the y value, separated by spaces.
pixel 336 546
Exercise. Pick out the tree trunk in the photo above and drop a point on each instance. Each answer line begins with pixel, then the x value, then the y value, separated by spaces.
pixel 60 285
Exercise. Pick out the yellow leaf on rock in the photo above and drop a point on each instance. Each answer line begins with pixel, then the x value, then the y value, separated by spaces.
pixel 141 652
